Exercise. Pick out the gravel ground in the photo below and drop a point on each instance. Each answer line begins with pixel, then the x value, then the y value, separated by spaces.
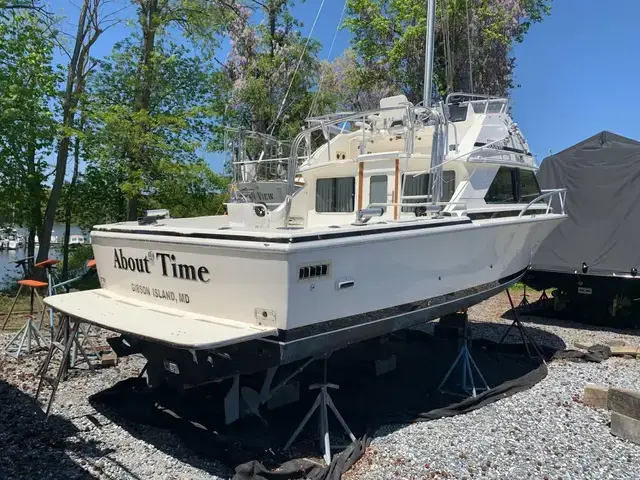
pixel 542 433
pixel 77 441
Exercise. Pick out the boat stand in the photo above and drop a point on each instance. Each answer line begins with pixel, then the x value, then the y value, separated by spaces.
pixel 544 298
pixel 66 338
pixel 465 360
pixel 22 342
pixel 524 303
pixel 526 338
pixel 84 340
pixel 322 401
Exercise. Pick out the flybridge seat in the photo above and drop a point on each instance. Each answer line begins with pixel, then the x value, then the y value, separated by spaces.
pixel 170 326
pixel 391 119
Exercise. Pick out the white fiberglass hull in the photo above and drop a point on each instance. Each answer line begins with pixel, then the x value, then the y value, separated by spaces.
pixel 375 279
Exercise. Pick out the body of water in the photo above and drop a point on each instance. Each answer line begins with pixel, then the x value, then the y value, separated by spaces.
pixel 9 256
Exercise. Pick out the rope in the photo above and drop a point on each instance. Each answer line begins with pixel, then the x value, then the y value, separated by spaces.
pixel 335 35
pixel 469 44
pixel 304 50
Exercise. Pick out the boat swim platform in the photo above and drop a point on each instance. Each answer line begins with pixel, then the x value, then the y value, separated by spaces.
pixel 170 326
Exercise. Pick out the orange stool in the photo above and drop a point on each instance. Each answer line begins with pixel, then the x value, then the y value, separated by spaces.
pixel 46 263
pixel 22 341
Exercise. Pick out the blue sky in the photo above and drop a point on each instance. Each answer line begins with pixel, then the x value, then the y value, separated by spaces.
pixel 577 70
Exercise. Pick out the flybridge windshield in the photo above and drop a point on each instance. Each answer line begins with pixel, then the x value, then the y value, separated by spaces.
pixel 457 112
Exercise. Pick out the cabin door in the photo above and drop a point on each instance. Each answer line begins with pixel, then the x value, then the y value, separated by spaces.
pixel 375 187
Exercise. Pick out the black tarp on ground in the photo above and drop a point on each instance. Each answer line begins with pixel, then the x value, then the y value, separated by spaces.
pixel 602 178
pixel 249 449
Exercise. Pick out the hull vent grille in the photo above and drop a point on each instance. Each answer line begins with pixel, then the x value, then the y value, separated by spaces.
pixel 308 272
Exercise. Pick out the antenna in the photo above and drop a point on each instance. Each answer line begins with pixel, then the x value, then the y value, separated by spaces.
pixel 428 54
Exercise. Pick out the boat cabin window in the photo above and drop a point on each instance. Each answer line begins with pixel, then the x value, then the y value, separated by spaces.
pixel 414 186
pixel 528 186
pixel 419 185
pixel 378 189
pixel 512 185
pixel 457 112
pixel 335 195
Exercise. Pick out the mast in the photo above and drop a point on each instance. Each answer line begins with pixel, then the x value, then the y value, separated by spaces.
pixel 435 177
pixel 428 54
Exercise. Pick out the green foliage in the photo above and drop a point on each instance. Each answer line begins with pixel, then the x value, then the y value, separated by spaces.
pixel 98 197
pixel 270 75
pixel 189 190
pixel 28 128
pixel 169 137
pixel 155 106
pixel 389 38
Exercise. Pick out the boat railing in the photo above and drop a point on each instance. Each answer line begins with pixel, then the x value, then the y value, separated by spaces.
pixel 549 194
pixel 326 122
pixel 256 156
pixel 437 206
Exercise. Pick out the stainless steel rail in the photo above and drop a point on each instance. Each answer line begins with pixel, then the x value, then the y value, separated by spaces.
pixel 560 192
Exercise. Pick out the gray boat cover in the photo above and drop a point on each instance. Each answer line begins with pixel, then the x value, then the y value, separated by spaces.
pixel 602 178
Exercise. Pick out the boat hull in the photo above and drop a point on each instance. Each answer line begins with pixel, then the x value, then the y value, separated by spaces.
pixel 201 367
pixel 400 279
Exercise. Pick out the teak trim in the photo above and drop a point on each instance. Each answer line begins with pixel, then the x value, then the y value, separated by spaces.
pixel 360 184
pixel 395 191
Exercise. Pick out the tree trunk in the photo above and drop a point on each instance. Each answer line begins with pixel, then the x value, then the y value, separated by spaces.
pixel 148 22
pixel 132 209
pixel 69 104
pixel 67 212
pixel 34 189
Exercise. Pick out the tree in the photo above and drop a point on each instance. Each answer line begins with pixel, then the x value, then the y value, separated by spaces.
pixel 89 29
pixel 198 20
pixel 473 42
pixel 346 86
pixel 102 200
pixel 27 89
pixel 167 139
pixel 188 190
pixel 271 72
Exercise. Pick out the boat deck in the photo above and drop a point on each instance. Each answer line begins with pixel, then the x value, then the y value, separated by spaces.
pixel 218 227
pixel 169 326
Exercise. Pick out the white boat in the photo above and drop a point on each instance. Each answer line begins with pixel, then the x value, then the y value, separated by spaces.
pixel 12 241
pixel 76 240
pixel 405 214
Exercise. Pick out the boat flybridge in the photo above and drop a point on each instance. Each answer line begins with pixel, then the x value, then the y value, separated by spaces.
pixel 403 214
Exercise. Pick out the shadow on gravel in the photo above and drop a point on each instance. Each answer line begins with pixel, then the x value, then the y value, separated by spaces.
pixel 366 401
pixel 32 448
pixel 592 316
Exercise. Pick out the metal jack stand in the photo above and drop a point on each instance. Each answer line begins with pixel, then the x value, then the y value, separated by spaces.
pixel 323 400
pixel 544 298
pixel 526 339
pixel 524 304
pixel 468 385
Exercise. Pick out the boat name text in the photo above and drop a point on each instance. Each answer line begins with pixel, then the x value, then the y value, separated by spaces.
pixel 168 262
